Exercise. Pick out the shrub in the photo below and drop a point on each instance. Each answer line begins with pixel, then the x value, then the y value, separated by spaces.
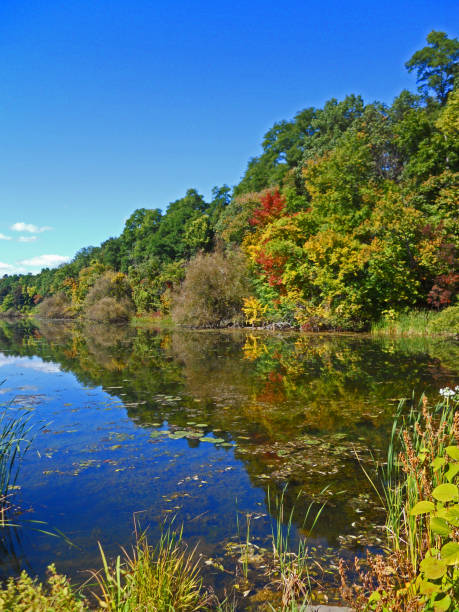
pixel 56 306
pixel 446 321
pixel 28 594
pixel 110 310
pixel 213 291
pixel 110 299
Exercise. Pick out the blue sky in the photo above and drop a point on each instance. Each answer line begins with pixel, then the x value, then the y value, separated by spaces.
pixel 113 105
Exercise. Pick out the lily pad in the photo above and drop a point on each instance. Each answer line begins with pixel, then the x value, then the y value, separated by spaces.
pixel 212 440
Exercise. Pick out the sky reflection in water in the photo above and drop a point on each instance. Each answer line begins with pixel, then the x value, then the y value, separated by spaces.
pixel 130 417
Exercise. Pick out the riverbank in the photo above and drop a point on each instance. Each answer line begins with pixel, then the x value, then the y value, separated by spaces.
pixel 420 323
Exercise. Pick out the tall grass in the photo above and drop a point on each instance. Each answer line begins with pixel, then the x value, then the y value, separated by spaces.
pixel 15 439
pixel 161 579
pixel 291 565
pixel 420 323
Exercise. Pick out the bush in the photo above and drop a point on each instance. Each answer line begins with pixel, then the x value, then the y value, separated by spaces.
pixel 57 306
pixel 110 299
pixel 28 594
pixel 213 291
pixel 110 310
pixel 446 321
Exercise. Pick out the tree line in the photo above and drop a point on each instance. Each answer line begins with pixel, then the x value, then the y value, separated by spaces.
pixel 348 215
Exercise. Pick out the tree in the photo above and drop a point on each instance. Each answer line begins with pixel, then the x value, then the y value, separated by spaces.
pixel 436 65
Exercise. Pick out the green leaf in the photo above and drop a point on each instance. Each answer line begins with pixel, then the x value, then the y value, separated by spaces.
pixel 433 568
pixel 428 588
pixel 453 452
pixel 452 472
pixel 422 507
pixel 439 526
pixel 438 462
pixel 375 596
pixel 443 603
pixel 446 492
pixel 450 553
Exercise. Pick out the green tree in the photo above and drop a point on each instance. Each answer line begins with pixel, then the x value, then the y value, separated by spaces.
pixel 436 65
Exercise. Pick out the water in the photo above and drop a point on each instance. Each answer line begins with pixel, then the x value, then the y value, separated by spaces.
pixel 123 414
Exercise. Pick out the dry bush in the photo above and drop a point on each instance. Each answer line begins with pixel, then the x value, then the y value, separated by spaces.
pixel 110 299
pixel 213 290
pixel 110 310
pixel 57 306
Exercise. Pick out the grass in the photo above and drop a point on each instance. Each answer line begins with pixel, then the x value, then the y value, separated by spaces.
pixel 163 578
pixel 155 320
pixel 15 439
pixel 420 323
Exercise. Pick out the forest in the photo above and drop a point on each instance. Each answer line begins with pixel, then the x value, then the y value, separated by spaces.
pixel 347 217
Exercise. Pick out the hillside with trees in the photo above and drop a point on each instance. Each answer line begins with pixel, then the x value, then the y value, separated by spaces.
pixel 349 215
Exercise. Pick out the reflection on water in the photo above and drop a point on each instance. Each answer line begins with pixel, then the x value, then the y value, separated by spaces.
pixel 201 425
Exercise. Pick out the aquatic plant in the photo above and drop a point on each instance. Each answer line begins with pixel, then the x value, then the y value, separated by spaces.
pixel 418 322
pixel 15 439
pixel 163 578
pixel 421 567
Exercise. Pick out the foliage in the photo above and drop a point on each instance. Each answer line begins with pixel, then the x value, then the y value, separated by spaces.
pixel 253 310
pixel 436 65
pixel 349 212
pixel 213 290
pixel 57 306
pixel 421 570
pixel 27 594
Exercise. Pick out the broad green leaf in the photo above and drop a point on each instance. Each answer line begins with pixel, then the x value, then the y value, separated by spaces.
pixel 446 492
pixel 442 604
pixel 428 588
pixel 452 472
pixel 438 462
pixel 451 517
pixel 433 568
pixel 453 452
pixel 422 507
pixel 439 526
pixel 450 553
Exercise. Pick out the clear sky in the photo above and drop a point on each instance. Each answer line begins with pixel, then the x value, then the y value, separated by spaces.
pixel 111 105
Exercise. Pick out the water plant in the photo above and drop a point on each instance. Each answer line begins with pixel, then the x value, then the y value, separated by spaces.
pixel 15 439
pixel 420 570
pixel 163 578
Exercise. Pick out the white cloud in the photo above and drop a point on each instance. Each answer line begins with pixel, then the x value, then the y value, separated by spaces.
pixel 33 363
pixel 6 268
pixel 29 227
pixel 45 261
pixel 3 237
pixel 27 238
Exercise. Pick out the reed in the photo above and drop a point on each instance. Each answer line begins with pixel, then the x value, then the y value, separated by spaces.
pixel 163 578
pixel 419 323
pixel 290 566
pixel 15 439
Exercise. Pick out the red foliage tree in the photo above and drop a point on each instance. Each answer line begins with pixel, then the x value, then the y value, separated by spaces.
pixel 272 206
